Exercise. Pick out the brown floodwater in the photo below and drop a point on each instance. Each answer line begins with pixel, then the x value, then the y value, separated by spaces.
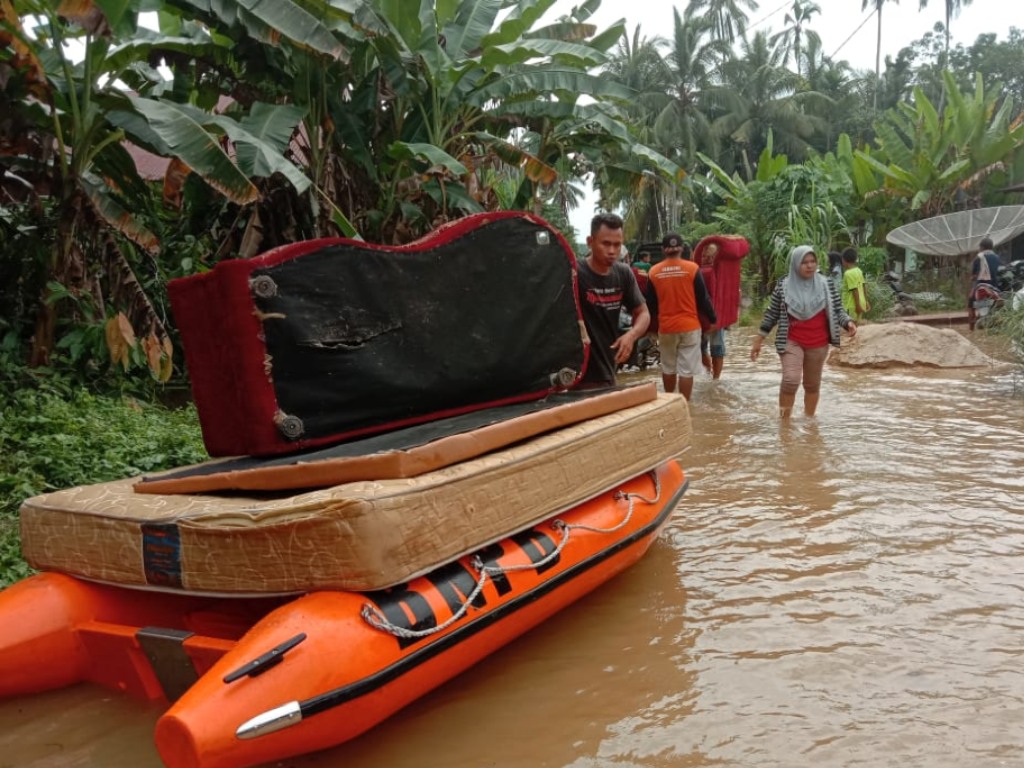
pixel 844 591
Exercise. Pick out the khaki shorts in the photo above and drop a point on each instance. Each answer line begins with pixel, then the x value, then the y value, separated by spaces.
pixel 680 353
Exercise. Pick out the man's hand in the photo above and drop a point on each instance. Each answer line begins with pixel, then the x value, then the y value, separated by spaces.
pixel 623 347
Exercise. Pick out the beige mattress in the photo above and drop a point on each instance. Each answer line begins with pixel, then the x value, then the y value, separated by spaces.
pixel 356 536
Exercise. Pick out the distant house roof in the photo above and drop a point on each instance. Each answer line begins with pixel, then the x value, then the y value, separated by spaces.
pixel 154 167
pixel 150 167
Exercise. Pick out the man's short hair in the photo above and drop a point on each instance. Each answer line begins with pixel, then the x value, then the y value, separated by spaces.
pixel 609 220
pixel 850 255
pixel 986 244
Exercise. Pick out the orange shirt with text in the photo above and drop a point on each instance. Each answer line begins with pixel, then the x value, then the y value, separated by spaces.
pixel 672 281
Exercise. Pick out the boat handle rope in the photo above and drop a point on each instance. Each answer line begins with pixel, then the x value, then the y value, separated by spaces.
pixel 372 615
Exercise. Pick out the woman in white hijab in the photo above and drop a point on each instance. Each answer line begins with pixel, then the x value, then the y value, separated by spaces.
pixel 805 306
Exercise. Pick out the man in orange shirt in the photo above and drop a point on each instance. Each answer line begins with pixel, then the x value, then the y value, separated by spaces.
pixel 677 295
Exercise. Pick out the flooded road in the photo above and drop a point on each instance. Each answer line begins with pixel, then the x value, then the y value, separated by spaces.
pixel 840 591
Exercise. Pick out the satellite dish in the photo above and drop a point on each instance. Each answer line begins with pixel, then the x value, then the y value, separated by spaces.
pixel 957 233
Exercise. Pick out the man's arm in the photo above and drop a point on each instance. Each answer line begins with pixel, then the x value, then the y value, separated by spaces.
pixel 641 320
pixel 623 345
pixel 861 289
pixel 705 305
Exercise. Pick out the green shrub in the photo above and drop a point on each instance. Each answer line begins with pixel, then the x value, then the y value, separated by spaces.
pixel 1008 322
pixel 752 312
pixel 872 261
pixel 881 299
pixel 57 436
pixel 12 566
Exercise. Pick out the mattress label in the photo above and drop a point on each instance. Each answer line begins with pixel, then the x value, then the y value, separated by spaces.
pixel 161 554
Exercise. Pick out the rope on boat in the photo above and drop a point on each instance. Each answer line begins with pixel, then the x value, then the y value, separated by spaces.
pixel 372 615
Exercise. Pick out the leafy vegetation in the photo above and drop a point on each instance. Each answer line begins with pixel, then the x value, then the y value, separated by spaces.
pixel 1009 324
pixel 58 434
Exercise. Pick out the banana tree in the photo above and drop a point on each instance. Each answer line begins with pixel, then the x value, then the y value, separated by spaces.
pixel 431 103
pixel 926 157
pixel 447 92
pixel 988 131
pixel 286 53
pixel 72 71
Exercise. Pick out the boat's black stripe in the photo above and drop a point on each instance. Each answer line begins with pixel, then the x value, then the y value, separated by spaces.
pixel 369 684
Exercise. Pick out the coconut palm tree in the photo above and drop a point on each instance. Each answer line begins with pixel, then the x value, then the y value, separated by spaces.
pixel 792 35
pixel 676 103
pixel 952 8
pixel 847 88
pixel 877 4
pixel 683 121
pixel 638 63
pixel 728 17
pixel 770 99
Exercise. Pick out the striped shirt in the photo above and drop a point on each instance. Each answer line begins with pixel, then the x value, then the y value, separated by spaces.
pixel 777 313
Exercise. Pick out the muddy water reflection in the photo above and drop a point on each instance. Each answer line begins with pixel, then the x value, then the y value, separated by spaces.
pixel 842 591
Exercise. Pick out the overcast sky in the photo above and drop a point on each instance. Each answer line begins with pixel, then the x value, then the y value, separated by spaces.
pixel 841 25
pixel 902 23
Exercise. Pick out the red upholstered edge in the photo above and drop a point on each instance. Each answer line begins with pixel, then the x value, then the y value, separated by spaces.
pixel 214 300
pixel 729 246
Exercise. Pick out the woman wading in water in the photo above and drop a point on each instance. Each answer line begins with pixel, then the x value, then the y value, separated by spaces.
pixel 808 312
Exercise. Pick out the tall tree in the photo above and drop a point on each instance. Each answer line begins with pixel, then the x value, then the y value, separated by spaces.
pixel 674 111
pixel 846 88
pixel 952 8
pixel 682 124
pixel 878 44
pixel 770 99
pixel 639 64
pixel 796 27
pixel 1002 60
pixel 728 19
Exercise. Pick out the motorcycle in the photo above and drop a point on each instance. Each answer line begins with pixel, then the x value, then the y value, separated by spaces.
pixel 904 301
pixel 984 300
pixel 1010 277
pixel 645 352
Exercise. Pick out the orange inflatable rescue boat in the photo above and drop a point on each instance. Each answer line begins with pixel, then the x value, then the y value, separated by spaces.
pixel 252 680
